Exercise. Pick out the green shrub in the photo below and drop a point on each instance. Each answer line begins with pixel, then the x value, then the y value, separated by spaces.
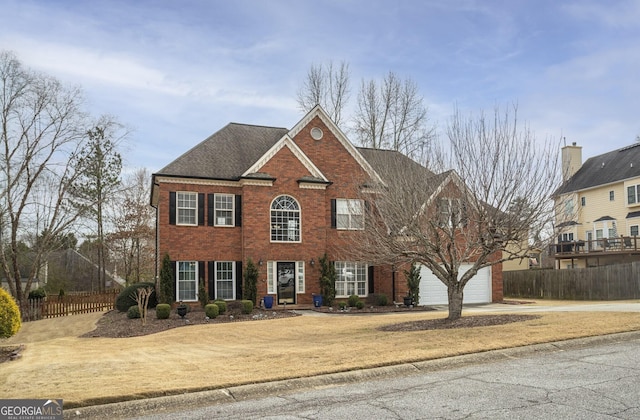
pixel 234 307
pixel 211 310
pixel 359 304
pixel 222 305
pixel 353 300
pixel 381 300
pixel 247 306
pixel 163 310
pixel 10 321
pixel 133 312
pixel 38 293
pixel 124 300
pixel 342 306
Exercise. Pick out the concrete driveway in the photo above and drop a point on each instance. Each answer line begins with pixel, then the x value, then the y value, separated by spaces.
pixel 542 306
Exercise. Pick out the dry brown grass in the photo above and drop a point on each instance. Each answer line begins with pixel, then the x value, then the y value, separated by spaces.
pixel 82 371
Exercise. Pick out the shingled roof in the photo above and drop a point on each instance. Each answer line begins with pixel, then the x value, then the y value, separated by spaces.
pixel 607 168
pixel 226 154
pixel 231 151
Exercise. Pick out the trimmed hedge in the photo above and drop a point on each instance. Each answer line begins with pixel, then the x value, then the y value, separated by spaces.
pixel 163 310
pixel 247 306
pixel 211 310
pixel 382 300
pixel 353 300
pixel 133 312
pixel 38 293
pixel 124 300
pixel 10 321
pixel 222 305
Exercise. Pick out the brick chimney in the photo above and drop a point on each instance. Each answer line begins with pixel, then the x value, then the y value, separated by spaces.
pixel 571 160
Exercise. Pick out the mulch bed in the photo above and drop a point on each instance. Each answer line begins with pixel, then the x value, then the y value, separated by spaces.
pixel 115 324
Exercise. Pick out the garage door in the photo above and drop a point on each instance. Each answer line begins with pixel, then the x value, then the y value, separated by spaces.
pixel 434 292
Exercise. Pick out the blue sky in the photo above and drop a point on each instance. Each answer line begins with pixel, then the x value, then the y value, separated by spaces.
pixel 177 71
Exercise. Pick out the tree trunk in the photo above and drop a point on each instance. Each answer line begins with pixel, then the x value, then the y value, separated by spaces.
pixel 455 293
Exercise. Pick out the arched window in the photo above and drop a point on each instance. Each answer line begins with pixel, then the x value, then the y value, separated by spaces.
pixel 285 219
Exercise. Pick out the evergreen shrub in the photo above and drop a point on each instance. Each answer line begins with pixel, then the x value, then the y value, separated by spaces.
pixel 211 310
pixel 10 321
pixel 125 300
pixel 163 311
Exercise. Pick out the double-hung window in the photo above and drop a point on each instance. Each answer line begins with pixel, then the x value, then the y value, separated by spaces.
pixel 351 278
pixel 187 281
pixel 224 209
pixel 187 207
pixel 633 194
pixel 225 275
pixel 349 214
pixel 285 219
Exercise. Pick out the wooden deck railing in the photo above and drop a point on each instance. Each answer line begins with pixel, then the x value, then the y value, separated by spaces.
pixel 619 244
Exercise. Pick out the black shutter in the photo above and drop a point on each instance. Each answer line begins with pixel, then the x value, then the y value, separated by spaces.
pixel 238 215
pixel 210 205
pixel 201 277
pixel 371 283
pixel 172 208
pixel 174 267
pixel 212 283
pixel 239 280
pixel 333 213
pixel 200 209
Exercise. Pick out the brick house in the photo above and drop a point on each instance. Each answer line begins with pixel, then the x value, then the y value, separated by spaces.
pixel 281 197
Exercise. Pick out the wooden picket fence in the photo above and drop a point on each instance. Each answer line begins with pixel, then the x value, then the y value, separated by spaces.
pixel 70 304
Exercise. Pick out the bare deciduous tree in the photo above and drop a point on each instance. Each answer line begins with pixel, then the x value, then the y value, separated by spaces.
pixel 328 86
pixel 133 237
pixel 41 129
pixel 479 213
pixel 392 115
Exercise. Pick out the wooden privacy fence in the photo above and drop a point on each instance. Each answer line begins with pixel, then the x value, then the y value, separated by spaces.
pixel 612 282
pixel 71 304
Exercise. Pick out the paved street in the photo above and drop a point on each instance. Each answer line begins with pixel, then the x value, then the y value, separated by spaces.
pixel 600 381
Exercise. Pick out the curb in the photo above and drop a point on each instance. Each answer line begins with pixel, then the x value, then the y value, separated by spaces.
pixel 192 400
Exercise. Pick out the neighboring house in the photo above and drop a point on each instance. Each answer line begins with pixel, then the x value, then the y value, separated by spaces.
pixel 67 270
pixel 282 198
pixel 598 208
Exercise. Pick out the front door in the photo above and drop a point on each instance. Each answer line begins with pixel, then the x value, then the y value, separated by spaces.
pixel 286 282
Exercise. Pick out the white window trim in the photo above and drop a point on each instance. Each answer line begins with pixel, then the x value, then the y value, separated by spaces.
pixel 299 221
pixel 631 228
pixel 233 279
pixel 195 299
pixel 215 210
pixel 366 277
pixel 272 275
pixel 300 277
pixel 636 195
pixel 348 202
pixel 194 209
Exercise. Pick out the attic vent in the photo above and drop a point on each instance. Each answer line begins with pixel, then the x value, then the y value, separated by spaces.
pixel 316 133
